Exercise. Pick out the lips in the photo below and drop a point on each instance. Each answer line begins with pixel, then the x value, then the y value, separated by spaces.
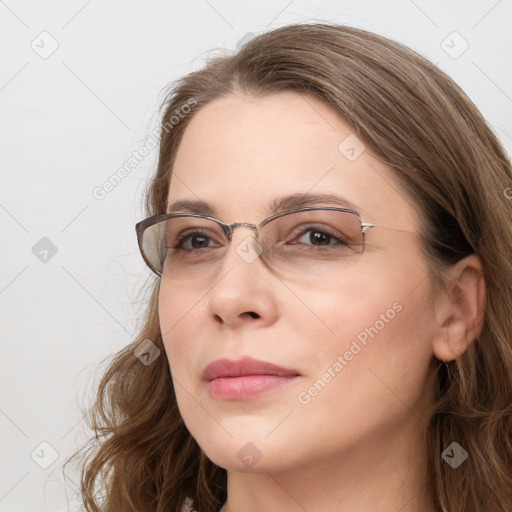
pixel 245 379
pixel 243 367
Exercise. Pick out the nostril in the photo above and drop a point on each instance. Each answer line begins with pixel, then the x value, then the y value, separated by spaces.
pixel 252 314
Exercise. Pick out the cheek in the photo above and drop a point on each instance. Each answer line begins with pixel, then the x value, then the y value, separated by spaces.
pixel 376 365
pixel 378 321
pixel 351 307
pixel 179 314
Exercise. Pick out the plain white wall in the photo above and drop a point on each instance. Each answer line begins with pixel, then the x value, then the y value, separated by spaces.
pixel 80 86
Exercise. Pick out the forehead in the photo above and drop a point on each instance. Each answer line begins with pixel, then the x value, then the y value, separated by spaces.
pixel 239 153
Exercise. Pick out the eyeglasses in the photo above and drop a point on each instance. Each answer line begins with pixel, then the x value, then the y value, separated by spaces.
pixel 309 240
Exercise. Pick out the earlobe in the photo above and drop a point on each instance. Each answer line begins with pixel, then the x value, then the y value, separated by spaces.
pixel 461 312
pixel 451 342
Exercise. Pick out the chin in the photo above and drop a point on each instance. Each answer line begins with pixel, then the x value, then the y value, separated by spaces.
pixel 249 450
pixel 245 457
pixel 243 437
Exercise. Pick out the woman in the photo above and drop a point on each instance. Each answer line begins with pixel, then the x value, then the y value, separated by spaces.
pixel 330 327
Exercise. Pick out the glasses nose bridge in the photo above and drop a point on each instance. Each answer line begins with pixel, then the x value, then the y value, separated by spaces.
pixel 231 228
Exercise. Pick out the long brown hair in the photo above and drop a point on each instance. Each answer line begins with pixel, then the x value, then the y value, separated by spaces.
pixel 419 122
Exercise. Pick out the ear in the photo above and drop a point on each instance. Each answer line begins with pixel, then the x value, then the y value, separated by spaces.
pixel 460 311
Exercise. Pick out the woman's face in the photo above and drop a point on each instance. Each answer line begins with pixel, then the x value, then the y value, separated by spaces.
pixel 358 342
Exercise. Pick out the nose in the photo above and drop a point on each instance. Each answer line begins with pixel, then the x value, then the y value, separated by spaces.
pixel 244 290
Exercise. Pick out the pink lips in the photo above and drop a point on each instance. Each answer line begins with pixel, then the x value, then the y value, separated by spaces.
pixel 245 378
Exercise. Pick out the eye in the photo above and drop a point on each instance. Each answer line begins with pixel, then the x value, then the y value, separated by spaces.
pixel 317 237
pixel 193 240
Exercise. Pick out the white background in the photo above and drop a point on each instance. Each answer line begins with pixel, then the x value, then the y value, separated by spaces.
pixel 70 120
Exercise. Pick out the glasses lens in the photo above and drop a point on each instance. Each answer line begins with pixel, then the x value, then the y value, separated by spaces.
pixel 180 245
pixel 312 240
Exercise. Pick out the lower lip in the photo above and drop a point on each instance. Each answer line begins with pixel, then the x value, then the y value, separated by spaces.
pixel 248 386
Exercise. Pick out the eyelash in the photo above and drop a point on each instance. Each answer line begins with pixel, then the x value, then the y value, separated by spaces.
pixel 323 230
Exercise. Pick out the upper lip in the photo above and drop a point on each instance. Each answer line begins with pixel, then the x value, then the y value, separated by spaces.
pixel 244 366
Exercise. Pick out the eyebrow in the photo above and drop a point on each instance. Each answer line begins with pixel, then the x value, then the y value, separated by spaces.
pixel 278 205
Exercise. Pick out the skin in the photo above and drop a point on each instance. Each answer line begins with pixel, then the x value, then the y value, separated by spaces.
pixel 357 445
